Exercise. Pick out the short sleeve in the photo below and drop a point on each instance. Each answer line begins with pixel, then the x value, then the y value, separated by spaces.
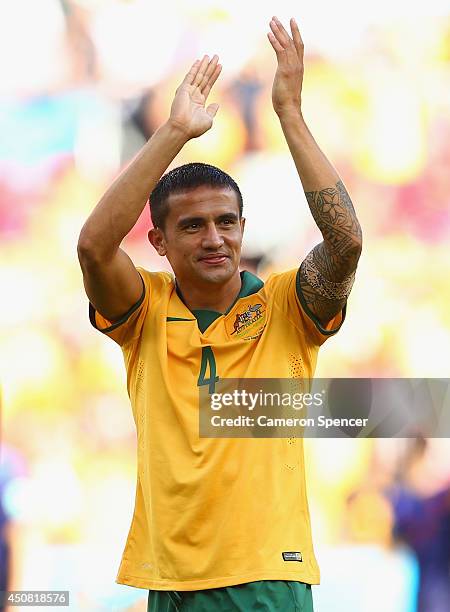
pixel 129 326
pixel 287 297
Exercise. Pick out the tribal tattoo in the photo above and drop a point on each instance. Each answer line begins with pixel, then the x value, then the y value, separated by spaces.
pixel 323 286
pixel 328 271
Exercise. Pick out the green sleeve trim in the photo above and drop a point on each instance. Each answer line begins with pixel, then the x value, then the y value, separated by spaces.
pixel 178 319
pixel 122 319
pixel 311 315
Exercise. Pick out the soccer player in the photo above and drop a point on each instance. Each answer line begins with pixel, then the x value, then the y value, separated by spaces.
pixel 219 524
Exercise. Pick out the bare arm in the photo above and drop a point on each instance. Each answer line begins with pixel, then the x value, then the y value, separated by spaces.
pixel 326 274
pixel 111 281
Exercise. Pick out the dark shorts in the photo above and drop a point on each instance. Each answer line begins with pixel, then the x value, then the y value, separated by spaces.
pixel 261 596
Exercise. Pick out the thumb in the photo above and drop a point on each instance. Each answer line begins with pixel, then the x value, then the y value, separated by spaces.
pixel 212 110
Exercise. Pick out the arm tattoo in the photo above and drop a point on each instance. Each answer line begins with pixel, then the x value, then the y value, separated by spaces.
pixel 335 216
pixel 323 286
pixel 328 271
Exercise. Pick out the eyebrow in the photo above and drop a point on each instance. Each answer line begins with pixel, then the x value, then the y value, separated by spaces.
pixel 226 216
pixel 184 221
pixel 188 220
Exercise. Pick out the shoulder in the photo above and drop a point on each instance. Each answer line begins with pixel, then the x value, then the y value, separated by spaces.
pixel 281 281
pixel 283 290
pixel 156 281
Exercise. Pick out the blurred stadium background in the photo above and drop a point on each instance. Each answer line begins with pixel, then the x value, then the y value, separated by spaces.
pixel 84 83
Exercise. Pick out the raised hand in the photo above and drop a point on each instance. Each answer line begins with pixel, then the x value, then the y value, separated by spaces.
pixel 188 111
pixel 287 84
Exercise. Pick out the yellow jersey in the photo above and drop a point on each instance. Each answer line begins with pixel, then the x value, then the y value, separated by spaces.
pixel 214 512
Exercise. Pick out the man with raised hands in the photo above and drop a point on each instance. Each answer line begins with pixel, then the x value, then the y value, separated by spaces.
pixel 219 523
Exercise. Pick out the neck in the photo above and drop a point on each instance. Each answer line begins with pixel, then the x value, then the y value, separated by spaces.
pixel 210 296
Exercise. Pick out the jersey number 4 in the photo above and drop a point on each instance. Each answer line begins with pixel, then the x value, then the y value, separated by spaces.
pixel 208 365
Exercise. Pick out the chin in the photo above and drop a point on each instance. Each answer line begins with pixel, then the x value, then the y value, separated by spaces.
pixel 219 276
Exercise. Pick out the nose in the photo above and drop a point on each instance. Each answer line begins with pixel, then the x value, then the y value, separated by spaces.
pixel 212 238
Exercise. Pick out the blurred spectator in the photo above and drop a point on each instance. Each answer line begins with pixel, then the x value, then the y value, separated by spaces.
pixel 422 520
pixel 81 48
pixel 253 262
pixel 4 549
pixel 138 125
pixel 245 91
pixel 365 572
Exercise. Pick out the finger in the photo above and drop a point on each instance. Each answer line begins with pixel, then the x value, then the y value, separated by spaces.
pixel 278 29
pixel 212 80
pixel 212 110
pixel 201 71
pixel 298 42
pixel 274 42
pixel 209 72
pixel 189 78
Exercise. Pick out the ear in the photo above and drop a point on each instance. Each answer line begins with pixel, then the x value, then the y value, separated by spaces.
pixel 157 240
pixel 242 222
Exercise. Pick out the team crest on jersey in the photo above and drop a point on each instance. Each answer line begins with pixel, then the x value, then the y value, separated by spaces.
pixel 247 321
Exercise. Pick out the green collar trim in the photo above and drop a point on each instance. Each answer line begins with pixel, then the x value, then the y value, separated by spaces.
pixel 205 318
pixel 250 284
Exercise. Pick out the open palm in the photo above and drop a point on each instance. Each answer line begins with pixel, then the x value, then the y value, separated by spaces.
pixel 188 110
pixel 287 84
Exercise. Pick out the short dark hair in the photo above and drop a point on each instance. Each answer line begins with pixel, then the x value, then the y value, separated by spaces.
pixel 183 178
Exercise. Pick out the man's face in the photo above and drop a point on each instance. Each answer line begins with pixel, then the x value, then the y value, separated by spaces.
pixel 202 236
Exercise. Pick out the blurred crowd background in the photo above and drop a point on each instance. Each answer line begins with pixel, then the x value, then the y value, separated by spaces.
pixel 84 84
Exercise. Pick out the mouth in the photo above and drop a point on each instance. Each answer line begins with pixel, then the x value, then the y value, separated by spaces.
pixel 214 260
